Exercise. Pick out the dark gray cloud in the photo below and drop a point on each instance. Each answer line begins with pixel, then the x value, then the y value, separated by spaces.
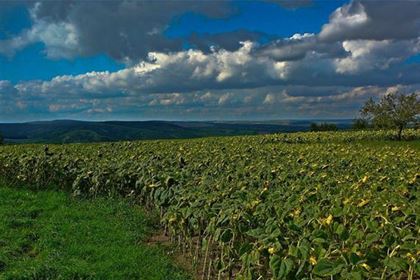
pixel 128 29
pixel 297 47
pixel 125 30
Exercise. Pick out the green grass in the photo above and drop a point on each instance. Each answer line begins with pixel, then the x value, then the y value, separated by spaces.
pixel 48 235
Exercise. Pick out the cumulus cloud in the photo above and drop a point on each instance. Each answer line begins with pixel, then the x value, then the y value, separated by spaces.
pixel 60 39
pixel 364 55
pixel 170 72
pixel 373 20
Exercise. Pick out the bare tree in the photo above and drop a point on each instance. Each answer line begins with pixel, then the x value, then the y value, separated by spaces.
pixel 395 110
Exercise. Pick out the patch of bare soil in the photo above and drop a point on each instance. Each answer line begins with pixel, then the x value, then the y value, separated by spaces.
pixel 184 257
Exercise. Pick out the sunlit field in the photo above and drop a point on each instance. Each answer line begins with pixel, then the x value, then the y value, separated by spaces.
pixel 283 206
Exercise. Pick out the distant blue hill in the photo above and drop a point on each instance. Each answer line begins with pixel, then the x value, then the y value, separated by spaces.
pixel 70 131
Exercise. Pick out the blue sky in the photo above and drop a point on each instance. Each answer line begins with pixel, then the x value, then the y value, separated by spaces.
pixel 269 18
pixel 188 60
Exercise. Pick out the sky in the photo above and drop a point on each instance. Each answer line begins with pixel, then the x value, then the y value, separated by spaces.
pixel 204 60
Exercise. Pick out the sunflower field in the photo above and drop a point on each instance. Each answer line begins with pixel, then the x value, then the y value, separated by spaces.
pixel 326 205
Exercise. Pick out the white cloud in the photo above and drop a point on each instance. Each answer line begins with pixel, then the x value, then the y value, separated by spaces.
pixel 225 98
pixel 366 55
pixel 373 20
pixel 60 39
pixel 298 36
pixel 345 19
pixel 269 99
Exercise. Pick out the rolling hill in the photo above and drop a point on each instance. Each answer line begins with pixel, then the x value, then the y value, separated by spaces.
pixel 70 131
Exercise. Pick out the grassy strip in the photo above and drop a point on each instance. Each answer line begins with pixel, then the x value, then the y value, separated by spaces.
pixel 48 235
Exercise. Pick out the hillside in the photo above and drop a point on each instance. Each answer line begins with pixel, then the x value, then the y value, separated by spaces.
pixel 69 131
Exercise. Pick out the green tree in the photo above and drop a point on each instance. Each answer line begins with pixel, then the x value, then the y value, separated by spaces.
pixel 1 139
pixel 395 110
